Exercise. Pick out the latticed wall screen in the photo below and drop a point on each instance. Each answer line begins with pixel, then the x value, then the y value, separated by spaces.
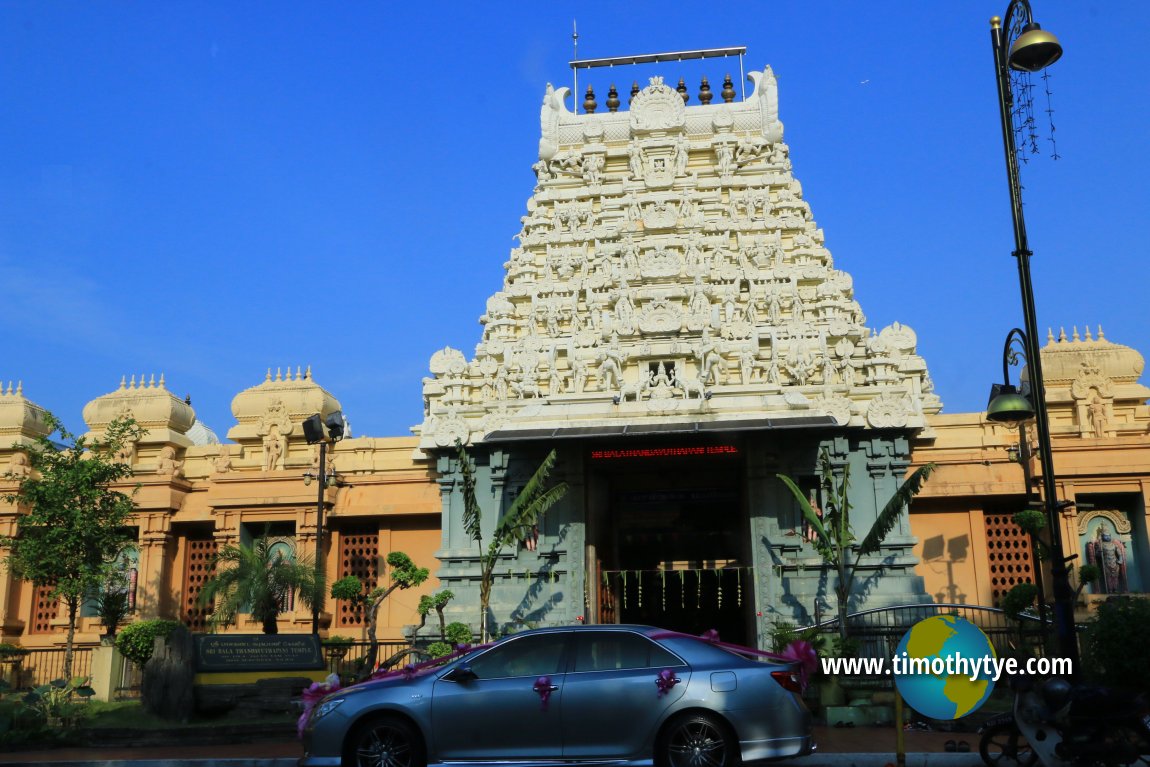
pixel 44 609
pixel 1008 551
pixel 358 556
pixel 197 569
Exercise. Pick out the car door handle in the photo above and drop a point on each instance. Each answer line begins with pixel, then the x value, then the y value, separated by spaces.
pixel 547 688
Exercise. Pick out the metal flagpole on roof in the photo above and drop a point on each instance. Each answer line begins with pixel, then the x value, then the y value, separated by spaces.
pixel 574 69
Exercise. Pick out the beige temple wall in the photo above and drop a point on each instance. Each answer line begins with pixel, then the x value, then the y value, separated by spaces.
pixel 388 489
pixel 1101 458
pixel 392 491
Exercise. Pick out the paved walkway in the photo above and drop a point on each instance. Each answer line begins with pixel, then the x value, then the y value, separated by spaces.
pixel 838 747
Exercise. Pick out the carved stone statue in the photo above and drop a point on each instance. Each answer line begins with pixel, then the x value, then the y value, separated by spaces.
pixel 19 466
pixel 710 360
pixel 273 451
pixel 1097 411
pixel 168 464
pixel 1108 553
pixel 725 156
pixel 223 462
pixel 635 161
pixel 681 156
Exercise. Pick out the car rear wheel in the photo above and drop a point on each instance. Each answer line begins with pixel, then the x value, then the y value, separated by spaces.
pixel 698 740
pixel 384 742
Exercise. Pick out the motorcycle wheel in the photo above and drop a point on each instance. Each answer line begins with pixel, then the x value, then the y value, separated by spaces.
pixel 1004 746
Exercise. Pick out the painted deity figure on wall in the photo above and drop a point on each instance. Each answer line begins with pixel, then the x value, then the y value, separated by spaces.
pixel 1108 554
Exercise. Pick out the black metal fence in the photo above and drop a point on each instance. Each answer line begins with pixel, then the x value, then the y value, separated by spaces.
pixel 43 665
pixel 130 683
pixel 347 659
pixel 879 630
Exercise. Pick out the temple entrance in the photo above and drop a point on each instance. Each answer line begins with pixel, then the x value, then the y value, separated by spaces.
pixel 670 540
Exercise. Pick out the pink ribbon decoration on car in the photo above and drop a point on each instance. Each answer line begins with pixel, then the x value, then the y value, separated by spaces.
pixel 543 688
pixel 665 681
pixel 798 651
pixel 804 654
pixel 312 695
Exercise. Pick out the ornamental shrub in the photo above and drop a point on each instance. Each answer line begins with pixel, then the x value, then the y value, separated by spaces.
pixel 439 649
pixel 135 641
pixel 458 633
pixel 1109 647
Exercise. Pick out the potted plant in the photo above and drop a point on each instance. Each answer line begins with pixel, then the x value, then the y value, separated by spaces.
pixel 335 647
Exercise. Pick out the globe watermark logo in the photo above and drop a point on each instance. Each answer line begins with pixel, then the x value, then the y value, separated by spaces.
pixel 945 667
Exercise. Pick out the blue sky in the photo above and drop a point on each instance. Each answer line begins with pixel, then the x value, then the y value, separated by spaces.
pixel 209 189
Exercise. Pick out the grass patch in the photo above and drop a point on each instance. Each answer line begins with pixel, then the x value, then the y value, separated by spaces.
pixel 130 715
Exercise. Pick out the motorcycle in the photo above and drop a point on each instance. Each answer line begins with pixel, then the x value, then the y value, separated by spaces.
pixel 1064 725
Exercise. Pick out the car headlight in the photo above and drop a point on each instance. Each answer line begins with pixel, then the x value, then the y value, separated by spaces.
pixel 325 708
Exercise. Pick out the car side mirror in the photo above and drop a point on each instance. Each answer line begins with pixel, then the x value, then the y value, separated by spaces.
pixel 461 673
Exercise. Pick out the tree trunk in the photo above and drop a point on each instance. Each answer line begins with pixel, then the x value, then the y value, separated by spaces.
pixel 484 601
pixel 73 609
pixel 372 624
pixel 442 624
pixel 271 625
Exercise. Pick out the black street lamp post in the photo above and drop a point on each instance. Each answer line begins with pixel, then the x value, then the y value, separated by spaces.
pixel 1022 45
pixel 314 432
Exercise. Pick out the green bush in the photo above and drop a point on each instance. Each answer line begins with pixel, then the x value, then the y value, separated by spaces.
pixel 1107 645
pixel 135 642
pixel 439 649
pixel 458 633
pixel 348 587
pixel 9 650
pixel 1020 598
pixel 338 640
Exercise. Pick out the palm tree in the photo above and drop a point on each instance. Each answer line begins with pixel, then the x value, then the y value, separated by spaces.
pixel 257 579
pixel 518 525
pixel 833 538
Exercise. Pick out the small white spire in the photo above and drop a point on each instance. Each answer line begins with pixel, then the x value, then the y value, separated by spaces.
pixel 123 382
pixel 269 375
pixel 1088 336
pixel 161 380
pixel 279 374
pixel 1062 335
pixel 1076 336
pixel 1101 337
pixel 132 383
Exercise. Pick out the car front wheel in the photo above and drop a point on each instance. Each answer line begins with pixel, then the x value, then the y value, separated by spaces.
pixel 698 740
pixel 384 742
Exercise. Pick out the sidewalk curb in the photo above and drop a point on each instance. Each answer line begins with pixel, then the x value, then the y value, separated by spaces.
pixel 274 762
pixel 914 759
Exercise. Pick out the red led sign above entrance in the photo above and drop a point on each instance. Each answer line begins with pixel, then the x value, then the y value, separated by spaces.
pixel 663 452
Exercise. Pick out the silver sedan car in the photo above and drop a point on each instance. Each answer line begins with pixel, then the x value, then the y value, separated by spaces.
pixel 626 694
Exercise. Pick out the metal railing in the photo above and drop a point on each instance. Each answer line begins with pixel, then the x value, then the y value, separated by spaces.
pixel 44 664
pixel 348 663
pixel 130 683
pixel 877 631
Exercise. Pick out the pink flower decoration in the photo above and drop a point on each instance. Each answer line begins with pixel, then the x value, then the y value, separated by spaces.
pixel 313 695
pixel 804 654
pixel 710 635
pixel 665 681
pixel 542 687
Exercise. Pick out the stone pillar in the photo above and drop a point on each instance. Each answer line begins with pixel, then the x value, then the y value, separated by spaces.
pixel 11 625
pixel 107 670
pixel 152 588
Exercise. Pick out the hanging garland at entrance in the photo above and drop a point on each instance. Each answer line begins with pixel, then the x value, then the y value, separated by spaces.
pixel 625 579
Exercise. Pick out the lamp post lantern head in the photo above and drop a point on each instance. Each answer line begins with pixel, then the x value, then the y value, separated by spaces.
pixel 1035 49
pixel 1008 405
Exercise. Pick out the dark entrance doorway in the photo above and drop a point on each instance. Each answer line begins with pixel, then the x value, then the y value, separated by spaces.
pixel 670 539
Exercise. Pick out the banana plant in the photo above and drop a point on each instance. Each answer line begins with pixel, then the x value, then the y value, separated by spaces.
pixel 832 536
